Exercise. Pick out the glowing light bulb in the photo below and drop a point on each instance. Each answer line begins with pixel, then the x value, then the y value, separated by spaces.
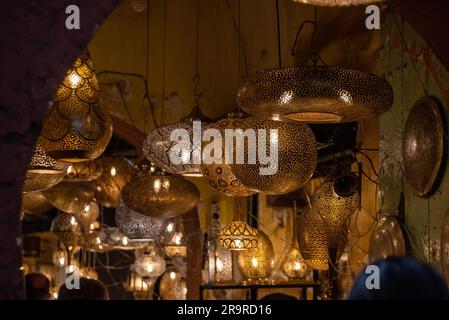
pixel 166 184
pixel 296 266
pixel 177 239
pixel 74 80
pixel 170 227
pixel 125 241
pixel 61 261
pixel 73 221
pixel 238 243
pixel 286 97
pixel 220 265
pixel 172 275
pixel 149 267
pixel 254 262
pixel 157 185
pixel 113 171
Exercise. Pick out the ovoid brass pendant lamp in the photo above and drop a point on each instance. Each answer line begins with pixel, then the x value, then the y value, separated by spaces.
pixel 315 93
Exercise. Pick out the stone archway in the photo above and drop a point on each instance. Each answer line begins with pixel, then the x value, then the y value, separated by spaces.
pixel 37 50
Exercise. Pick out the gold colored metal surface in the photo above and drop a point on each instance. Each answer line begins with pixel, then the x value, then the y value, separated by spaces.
pixel 387 239
pixel 238 236
pixel 70 197
pixel 173 285
pixel 79 126
pixel 220 176
pixel 315 94
pixel 423 146
pixel 158 194
pixel 296 156
pixel 117 172
pixel 257 263
pixel 84 171
pixel 35 203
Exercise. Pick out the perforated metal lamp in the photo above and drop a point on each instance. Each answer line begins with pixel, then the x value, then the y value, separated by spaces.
pixel 79 126
pixel 315 94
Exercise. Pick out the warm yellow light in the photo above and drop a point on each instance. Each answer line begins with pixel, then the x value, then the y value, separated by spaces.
pixel 170 227
pixel 149 267
pixel 177 239
pixel 157 185
pixel 113 171
pixel 172 275
pixel 125 241
pixel 254 262
pixel 219 264
pixel 73 221
pixel 74 80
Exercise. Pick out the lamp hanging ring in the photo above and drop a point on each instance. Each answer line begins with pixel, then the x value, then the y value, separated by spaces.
pixel 196 79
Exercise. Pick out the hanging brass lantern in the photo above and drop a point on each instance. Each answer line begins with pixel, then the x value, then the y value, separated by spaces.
pixel 338 3
pixel 219 175
pixel 158 194
pixel 315 94
pixel 293 163
pixel 84 171
pixel 43 172
pixel 238 236
pixel 294 265
pixel 95 241
pixel 387 239
pixel 89 214
pixel 334 210
pixel 173 285
pixel 257 263
pixel 177 245
pixel 35 203
pixel 70 197
pixel 67 230
pixel 138 226
pixel 79 126
pixel 313 241
pixel 117 172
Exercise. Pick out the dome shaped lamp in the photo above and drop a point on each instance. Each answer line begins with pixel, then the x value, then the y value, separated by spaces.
pixel 238 235
pixel 157 194
pixel 70 197
pixel 79 126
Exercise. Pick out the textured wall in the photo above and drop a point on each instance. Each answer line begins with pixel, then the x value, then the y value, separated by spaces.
pixel 423 217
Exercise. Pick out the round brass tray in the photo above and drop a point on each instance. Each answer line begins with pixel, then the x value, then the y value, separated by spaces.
pixel 423 146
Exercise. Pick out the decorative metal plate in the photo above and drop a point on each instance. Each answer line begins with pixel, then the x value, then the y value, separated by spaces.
pixel 423 146
pixel 315 94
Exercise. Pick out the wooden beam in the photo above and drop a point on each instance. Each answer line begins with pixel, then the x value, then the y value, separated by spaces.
pixel 194 249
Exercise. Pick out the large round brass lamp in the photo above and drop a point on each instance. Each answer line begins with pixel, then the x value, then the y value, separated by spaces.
pixel 84 171
pixel 79 126
pixel 70 197
pixel 156 193
pixel 35 203
pixel 293 152
pixel 117 172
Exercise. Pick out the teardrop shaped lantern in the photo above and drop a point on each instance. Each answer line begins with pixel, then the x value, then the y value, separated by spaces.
pixel 287 169
pixel 67 229
pixel 313 241
pixel 43 171
pixel 257 263
pixel 117 172
pixel 70 197
pixel 79 126
pixel 156 193
pixel 334 210
pixel 35 203
pixel 387 239
pixel 84 171
pixel 219 175
pixel 315 94
pixel 138 226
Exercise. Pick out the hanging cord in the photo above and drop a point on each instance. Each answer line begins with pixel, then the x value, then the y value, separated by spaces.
pixel 278 26
pixel 164 51
pixel 198 93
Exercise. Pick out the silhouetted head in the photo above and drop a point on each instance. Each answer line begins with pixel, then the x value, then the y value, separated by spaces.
pixel 399 278
pixel 37 286
pixel 278 296
pixel 89 289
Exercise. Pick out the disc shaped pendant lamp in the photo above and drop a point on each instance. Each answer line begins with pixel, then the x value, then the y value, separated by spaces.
pixel 43 172
pixel 338 3
pixel 315 94
pixel 35 203
pixel 138 226
pixel 292 150
pixel 219 175
pixel 117 171
pixel 84 171
pixel 79 126
pixel 156 193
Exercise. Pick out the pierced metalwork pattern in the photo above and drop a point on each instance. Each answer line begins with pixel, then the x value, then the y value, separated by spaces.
pixel 138 226
pixel 35 203
pixel 159 194
pixel 334 210
pixel 423 145
pixel 78 127
pixel 257 263
pixel 84 171
pixel 297 156
pixel 70 197
pixel 220 176
pixel 238 236
pixel 315 94
pixel 117 172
